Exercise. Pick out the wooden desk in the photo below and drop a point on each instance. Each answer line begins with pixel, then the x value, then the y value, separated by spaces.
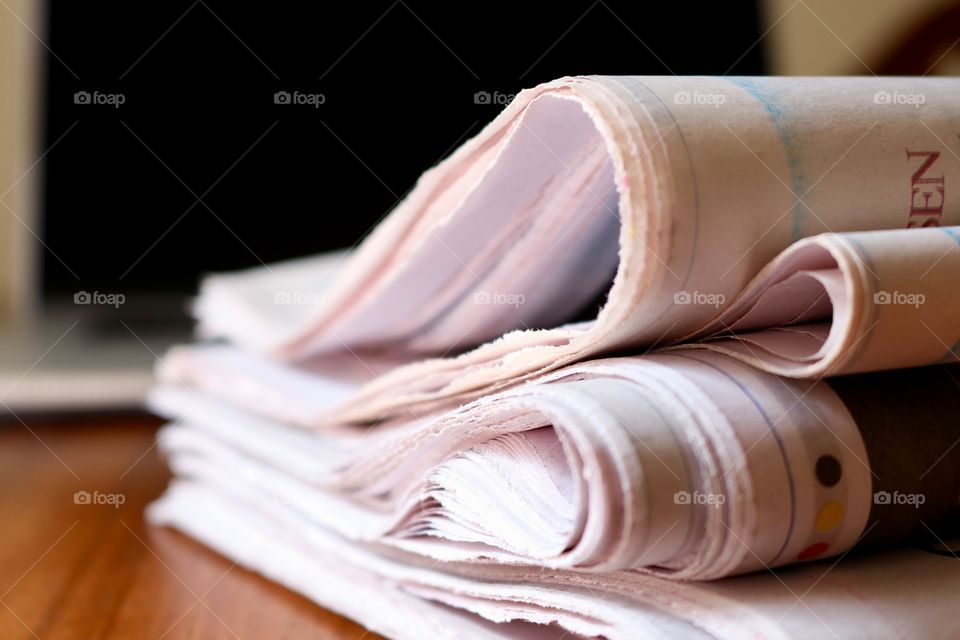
pixel 91 571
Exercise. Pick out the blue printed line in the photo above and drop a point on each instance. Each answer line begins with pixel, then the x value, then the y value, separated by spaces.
pixel 952 232
pixel 780 117
pixel 771 426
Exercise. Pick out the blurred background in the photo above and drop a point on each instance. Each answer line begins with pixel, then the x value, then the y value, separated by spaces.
pixel 145 144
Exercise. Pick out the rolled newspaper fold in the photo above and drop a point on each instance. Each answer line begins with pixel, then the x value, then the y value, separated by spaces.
pixel 678 186
pixel 848 302
pixel 686 464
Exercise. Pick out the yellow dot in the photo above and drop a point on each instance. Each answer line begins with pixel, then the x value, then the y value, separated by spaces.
pixel 829 516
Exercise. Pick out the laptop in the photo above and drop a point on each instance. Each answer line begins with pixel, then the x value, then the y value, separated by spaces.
pixel 67 342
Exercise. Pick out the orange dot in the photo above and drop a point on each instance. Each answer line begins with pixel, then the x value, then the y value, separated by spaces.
pixel 830 516
pixel 813 550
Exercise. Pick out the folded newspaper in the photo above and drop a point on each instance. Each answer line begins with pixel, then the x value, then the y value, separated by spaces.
pixel 606 372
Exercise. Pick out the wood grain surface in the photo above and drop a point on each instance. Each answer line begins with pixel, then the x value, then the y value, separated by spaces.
pixel 75 570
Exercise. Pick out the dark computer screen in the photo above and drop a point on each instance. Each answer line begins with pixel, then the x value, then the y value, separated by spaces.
pixel 183 137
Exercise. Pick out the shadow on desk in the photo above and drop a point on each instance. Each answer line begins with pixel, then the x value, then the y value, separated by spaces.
pixel 77 560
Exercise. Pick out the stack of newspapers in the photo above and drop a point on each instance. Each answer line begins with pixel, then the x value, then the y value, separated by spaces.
pixel 649 357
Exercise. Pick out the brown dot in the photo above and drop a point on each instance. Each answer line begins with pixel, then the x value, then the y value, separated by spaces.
pixel 828 470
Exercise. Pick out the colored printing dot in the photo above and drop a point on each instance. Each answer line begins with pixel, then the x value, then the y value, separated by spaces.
pixel 830 516
pixel 812 551
pixel 828 470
